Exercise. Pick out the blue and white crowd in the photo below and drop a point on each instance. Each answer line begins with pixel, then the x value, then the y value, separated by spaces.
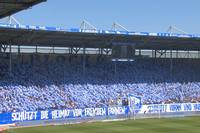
pixel 58 85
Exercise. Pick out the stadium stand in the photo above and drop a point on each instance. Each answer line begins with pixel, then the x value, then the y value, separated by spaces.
pixel 78 83
pixel 57 84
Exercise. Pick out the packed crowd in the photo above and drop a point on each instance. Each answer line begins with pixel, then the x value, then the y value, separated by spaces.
pixel 57 85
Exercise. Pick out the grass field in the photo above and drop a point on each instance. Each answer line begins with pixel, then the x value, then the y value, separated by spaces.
pixel 169 125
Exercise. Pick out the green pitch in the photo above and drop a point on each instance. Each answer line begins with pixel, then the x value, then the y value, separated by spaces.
pixel 169 125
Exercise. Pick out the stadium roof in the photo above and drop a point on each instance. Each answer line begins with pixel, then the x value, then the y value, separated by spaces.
pixel 9 7
pixel 58 37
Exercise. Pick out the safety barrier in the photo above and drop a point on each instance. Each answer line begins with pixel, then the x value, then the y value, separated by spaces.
pixel 69 116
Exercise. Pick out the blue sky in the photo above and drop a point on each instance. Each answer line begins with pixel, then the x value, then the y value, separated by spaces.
pixel 135 15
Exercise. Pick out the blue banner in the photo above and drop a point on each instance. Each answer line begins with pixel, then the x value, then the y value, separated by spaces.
pixel 9 118
pixel 171 108
pixel 47 28
pixel 135 102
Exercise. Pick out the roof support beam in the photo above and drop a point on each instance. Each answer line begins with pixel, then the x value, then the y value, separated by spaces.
pixel 9 7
